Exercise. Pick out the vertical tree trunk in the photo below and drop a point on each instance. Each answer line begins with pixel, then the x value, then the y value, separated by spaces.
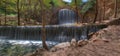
pixel 43 26
pixel 76 8
pixel 18 11
pixel 104 9
pixel 52 11
pixel 29 10
pixel 84 20
pixel 5 12
pixel 115 9
pixel 0 20
pixel 96 12
pixel 0 17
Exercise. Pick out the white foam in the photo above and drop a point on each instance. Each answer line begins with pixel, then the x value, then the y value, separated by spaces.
pixel 27 42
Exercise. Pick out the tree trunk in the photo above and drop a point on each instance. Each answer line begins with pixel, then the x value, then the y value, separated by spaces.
pixel 0 20
pixel 76 8
pixel 43 26
pixel 52 12
pixel 84 20
pixel 18 11
pixel 96 12
pixel 104 10
pixel 115 9
pixel 5 12
pixel 0 17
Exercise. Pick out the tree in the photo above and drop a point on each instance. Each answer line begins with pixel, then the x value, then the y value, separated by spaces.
pixel 100 10
pixel 5 12
pixel 104 9
pixel 0 20
pixel 115 9
pixel 43 26
pixel 18 11
pixel 96 12
pixel 76 8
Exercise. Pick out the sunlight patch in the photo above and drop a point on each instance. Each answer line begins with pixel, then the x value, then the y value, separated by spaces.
pixel 84 1
pixel 69 1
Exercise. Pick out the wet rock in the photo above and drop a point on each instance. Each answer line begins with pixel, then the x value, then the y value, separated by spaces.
pixel 73 42
pixel 82 42
pixel 90 35
pixel 60 46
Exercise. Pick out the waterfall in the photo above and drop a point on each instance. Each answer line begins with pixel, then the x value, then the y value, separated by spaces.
pixel 66 16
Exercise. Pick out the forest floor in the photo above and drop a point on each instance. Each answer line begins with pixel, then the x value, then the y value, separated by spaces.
pixel 105 42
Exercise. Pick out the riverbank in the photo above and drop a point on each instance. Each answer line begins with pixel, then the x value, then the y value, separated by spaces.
pixel 103 43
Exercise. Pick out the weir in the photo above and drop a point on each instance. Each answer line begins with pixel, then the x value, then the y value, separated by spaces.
pixel 54 33
pixel 65 31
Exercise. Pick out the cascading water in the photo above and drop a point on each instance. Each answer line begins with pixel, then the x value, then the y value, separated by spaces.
pixel 54 33
pixel 66 16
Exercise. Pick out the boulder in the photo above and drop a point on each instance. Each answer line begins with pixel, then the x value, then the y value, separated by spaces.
pixel 60 46
pixel 82 42
pixel 73 42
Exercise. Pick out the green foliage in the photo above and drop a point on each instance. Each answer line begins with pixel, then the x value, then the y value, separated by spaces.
pixel 30 6
pixel 90 4
pixel 84 7
pixel 8 5
pixel 58 2
pixel 12 23
pixel 7 49
pixel 79 3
